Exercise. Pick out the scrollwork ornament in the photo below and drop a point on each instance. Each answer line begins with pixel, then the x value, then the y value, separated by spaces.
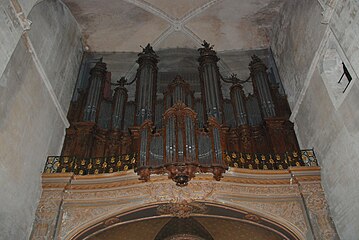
pixel 182 209
pixel 170 192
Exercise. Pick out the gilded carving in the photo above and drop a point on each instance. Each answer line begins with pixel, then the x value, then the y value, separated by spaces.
pixel 182 209
pixel 163 192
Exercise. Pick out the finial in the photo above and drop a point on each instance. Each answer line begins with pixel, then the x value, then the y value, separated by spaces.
pixel 206 49
pixel 148 49
pixel 255 59
pixel 206 45
pixel 122 82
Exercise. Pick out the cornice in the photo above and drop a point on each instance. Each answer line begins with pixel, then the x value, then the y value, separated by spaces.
pixel 71 182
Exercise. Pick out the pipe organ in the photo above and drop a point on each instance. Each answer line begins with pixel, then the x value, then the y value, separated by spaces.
pixel 179 135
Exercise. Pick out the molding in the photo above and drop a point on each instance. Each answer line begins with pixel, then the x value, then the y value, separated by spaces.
pixel 197 11
pixel 152 9
pixel 100 182
pixel 24 22
pixel 162 37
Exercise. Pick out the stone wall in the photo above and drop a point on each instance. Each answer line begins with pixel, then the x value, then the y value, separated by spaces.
pixel 326 118
pixel 295 39
pixel 40 67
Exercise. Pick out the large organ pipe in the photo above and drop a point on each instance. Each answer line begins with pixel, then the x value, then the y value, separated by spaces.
pixel 146 85
pixel 213 100
pixel 97 78
pixel 210 81
pixel 261 86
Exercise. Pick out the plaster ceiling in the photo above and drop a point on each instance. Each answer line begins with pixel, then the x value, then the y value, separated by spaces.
pixel 124 25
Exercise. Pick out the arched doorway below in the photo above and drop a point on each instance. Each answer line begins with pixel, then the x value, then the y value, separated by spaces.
pixel 194 221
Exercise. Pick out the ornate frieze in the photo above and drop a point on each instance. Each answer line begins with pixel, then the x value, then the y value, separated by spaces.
pixel 79 207
pixel 182 209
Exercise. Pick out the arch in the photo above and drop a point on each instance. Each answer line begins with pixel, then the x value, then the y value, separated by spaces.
pixel 214 210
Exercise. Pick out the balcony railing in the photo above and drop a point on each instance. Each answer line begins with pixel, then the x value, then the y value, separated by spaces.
pixel 272 161
pixel 88 166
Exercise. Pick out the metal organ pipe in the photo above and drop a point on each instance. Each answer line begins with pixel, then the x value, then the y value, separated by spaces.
pixel 146 85
pixel 209 77
pixel 97 78
pixel 120 98
pixel 261 86
pixel 178 91
pixel 211 92
pixel 237 96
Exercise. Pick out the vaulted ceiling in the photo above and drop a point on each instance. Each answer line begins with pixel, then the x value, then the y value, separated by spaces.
pixel 124 25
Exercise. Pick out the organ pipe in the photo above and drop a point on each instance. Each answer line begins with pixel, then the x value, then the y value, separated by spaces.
pixel 237 96
pixel 210 81
pixel 146 85
pixel 97 79
pixel 120 99
pixel 261 86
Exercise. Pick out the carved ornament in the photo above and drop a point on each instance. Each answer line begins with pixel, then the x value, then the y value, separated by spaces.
pixel 182 209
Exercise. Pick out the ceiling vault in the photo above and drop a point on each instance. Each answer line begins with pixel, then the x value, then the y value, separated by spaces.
pixel 176 24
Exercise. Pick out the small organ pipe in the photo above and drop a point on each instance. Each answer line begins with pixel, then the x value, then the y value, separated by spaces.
pixel 120 98
pixel 237 96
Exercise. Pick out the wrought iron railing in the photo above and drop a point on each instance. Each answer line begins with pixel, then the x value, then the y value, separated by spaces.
pixel 272 161
pixel 87 166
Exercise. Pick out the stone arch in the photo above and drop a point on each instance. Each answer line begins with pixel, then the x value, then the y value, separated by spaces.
pixel 231 212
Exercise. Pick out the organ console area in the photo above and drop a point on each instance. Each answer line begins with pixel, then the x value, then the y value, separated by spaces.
pixel 182 133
